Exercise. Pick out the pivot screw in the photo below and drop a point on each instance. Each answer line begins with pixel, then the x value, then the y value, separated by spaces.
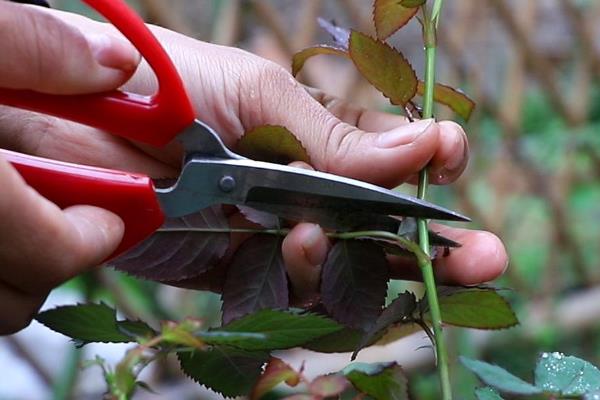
pixel 227 183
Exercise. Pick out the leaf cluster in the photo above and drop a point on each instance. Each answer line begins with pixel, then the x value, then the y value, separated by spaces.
pixel 556 376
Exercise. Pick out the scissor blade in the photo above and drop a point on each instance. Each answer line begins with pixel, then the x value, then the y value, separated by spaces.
pixel 286 191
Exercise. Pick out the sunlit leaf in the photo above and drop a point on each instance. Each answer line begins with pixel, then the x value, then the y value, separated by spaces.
pixel 384 67
pixel 88 323
pixel 302 56
pixel 476 308
pixel 459 102
pixel 328 385
pixel 566 375
pixel 354 282
pixel 340 35
pixel 256 278
pixel 282 329
pixel 381 381
pixel 180 249
pixel 276 372
pixel 230 372
pixel 272 143
pixel 391 15
pixel 487 393
pixel 400 310
pixel 499 378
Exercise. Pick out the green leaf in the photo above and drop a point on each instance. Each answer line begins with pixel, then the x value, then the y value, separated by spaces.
pixel 459 102
pixel 391 15
pixel 302 56
pixel 328 385
pixel 499 378
pixel 282 330
pixel 381 381
pixel 354 282
pixel 384 67
pixel 272 143
pixel 275 373
pixel 136 329
pixel 476 308
pixel 412 3
pixel 230 372
pixel 87 323
pixel 567 375
pixel 338 342
pixel 182 333
pixel 256 278
pixel 487 393
pixel 400 310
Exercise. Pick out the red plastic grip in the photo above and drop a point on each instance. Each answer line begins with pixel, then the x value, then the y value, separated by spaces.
pixel 155 120
pixel 130 196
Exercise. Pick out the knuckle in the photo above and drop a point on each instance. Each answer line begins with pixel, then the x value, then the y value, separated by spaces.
pixel 342 139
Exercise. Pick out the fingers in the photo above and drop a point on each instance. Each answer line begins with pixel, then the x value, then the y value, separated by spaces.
pixel 47 246
pixel 481 258
pixel 305 249
pixel 374 147
pixel 48 55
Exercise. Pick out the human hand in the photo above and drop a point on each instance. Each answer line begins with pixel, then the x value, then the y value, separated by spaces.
pixel 232 91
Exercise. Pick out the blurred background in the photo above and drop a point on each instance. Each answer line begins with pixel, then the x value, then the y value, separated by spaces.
pixel 531 67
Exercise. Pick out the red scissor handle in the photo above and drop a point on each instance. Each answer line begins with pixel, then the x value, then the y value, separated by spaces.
pixel 155 119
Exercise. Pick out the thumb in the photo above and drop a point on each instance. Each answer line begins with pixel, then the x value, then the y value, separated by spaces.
pixel 45 54
pixel 380 148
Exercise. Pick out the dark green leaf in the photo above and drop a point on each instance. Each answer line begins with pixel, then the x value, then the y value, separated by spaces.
pixel 230 372
pixel 381 381
pixel 339 342
pixel 400 310
pixel 275 373
pixel 303 55
pixel 178 250
pixel 87 323
pixel 476 308
pixel 256 278
pixel 567 375
pixel 499 378
pixel 384 67
pixel 487 393
pixel 354 282
pixel 391 15
pixel 283 330
pixel 459 102
pixel 328 385
pixel 135 329
pixel 272 143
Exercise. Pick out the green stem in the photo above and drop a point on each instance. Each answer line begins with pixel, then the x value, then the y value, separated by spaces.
pixel 429 37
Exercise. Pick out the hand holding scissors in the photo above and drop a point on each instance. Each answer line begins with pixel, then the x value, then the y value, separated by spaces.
pixel 228 178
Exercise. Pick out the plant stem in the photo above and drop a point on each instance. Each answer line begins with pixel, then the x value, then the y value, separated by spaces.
pixel 429 37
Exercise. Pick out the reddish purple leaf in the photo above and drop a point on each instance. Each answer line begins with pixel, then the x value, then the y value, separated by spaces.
pixel 180 249
pixel 459 102
pixel 256 278
pixel 340 35
pixel 354 282
pixel 262 218
pixel 384 67
pixel 391 15
pixel 328 385
pixel 275 373
pixel 272 143
pixel 300 57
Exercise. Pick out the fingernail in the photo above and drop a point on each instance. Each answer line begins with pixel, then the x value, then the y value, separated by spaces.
pixel 403 135
pixel 112 52
pixel 314 245
pixel 505 267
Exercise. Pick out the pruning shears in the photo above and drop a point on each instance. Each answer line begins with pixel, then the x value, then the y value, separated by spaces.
pixel 210 174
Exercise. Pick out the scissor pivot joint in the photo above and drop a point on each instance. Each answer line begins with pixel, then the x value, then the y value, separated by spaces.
pixel 227 183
